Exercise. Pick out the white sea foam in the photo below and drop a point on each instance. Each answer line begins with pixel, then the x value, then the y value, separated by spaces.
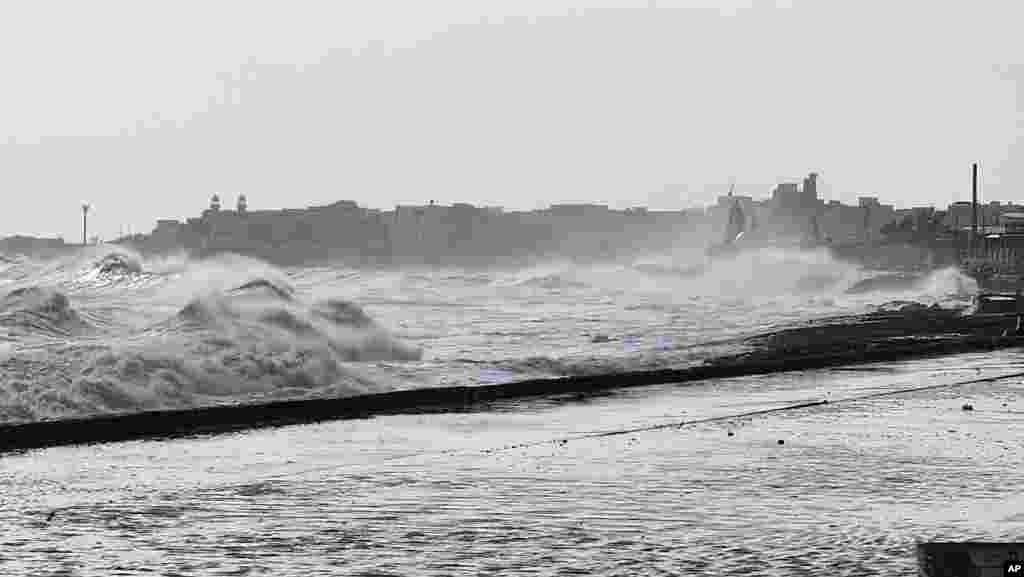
pixel 174 332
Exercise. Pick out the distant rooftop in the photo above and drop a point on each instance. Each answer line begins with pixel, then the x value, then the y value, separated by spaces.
pixel 583 205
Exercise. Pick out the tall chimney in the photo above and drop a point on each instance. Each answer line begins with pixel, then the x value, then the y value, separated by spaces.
pixel 974 209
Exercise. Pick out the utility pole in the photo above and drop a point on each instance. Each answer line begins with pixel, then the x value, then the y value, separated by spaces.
pixel 974 211
pixel 85 221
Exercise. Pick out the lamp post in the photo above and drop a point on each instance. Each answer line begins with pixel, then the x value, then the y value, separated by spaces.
pixel 85 220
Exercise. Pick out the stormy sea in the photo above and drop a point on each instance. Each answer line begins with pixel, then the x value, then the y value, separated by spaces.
pixel 602 486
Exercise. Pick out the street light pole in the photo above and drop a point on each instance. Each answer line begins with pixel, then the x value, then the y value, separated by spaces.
pixel 85 221
pixel 972 246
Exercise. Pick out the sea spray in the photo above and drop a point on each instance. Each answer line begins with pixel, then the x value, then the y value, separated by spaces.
pixel 191 368
pixel 39 311
pixel 243 337
pixel 186 332
pixel 264 311
pixel 949 283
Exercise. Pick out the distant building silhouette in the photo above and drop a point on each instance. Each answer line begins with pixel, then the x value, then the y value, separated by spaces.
pixel 1013 222
pixel 795 207
pixel 429 234
pixel 463 233
pixel 810 190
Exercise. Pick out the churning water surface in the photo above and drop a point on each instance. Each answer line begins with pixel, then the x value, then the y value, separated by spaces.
pixel 108 331
pixel 607 485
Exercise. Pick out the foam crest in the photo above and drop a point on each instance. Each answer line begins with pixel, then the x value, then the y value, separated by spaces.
pixel 173 376
pixel 39 310
pixel 222 274
pixel 267 310
pixel 119 262
pixel 553 281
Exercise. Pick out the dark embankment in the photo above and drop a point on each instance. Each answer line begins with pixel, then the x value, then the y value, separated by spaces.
pixel 868 339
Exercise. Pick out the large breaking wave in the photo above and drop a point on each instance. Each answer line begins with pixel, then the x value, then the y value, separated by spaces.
pixel 243 334
pixel 106 330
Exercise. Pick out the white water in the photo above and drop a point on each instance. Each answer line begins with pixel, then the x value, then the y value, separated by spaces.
pixel 172 332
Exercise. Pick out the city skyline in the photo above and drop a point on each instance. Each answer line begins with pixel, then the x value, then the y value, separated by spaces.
pixel 227 201
pixel 625 107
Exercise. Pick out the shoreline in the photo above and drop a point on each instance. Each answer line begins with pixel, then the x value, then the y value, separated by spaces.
pixel 887 339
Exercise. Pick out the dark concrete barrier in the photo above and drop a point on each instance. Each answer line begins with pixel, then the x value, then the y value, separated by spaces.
pixel 224 419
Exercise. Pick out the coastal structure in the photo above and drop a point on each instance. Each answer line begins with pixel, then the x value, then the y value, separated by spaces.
pixel 796 212
pixel 870 233
pixel 992 254
pixel 959 216
pixel 431 234
pixel 341 230
pixel 727 204
pixel 796 208
pixel 30 245
pixel 997 261
pixel 461 233
pixel 863 223
pixel 1013 222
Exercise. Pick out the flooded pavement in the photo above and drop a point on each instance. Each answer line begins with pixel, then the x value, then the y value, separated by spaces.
pixel 555 487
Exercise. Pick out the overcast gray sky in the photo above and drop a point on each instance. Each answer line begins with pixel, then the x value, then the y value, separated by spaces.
pixel 403 101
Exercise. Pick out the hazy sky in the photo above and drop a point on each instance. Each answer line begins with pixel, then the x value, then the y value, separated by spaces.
pixel 403 101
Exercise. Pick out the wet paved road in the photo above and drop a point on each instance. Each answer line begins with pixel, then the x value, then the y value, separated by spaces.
pixel 854 485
